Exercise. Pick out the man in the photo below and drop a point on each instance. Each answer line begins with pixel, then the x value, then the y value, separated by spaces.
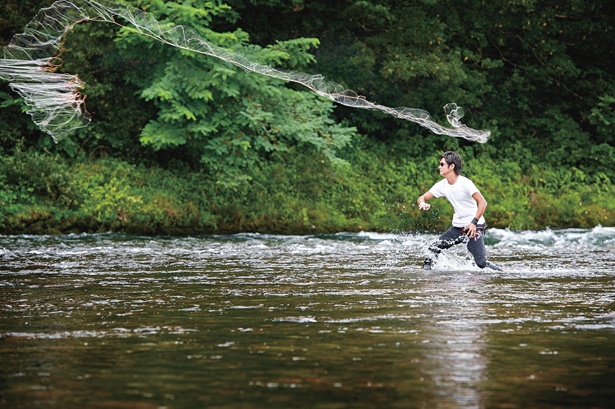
pixel 469 205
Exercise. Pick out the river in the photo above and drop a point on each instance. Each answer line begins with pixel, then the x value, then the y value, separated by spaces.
pixel 346 320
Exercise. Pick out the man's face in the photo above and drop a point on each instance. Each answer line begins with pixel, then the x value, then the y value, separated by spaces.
pixel 445 168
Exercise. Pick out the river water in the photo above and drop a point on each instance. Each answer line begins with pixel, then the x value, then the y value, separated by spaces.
pixel 334 321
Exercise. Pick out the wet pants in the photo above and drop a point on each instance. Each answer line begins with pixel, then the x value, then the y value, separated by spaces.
pixel 455 235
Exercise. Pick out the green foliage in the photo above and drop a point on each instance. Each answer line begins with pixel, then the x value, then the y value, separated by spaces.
pixel 117 116
pixel 603 118
pixel 228 119
pixel 184 143
pixel 304 193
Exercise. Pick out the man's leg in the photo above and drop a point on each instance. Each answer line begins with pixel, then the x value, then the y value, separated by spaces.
pixel 476 246
pixel 448 239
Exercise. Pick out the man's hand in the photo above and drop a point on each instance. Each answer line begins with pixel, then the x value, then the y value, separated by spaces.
pixel 424 206
pixel 470 230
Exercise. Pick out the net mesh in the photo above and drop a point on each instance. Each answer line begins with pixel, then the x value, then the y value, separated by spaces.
pixel 57 106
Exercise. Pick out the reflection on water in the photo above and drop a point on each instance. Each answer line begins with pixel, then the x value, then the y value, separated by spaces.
pixel 332 321
pixel 454 342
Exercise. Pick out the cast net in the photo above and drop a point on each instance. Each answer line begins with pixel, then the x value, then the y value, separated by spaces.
pixel 29 64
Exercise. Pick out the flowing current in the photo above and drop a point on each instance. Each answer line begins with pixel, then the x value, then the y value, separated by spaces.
pixel 347 320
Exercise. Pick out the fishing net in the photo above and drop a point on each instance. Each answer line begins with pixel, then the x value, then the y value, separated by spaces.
pixel 30 63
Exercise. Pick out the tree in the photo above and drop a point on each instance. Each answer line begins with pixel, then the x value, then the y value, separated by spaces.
pixel 537 73
pixel 224 117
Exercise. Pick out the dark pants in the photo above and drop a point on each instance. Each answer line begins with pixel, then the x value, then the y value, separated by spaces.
pixel 455 235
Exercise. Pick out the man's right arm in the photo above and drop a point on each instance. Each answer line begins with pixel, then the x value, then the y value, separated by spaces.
pixel 422 201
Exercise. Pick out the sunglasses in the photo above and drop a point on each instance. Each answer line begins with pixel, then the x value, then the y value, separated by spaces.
pixel 443 164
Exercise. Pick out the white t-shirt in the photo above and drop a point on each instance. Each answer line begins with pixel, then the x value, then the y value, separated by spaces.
pixel 460 195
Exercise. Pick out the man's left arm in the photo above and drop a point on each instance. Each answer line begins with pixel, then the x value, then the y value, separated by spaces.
pixel 482 206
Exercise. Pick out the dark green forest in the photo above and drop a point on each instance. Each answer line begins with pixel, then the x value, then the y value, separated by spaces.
pixel 182 143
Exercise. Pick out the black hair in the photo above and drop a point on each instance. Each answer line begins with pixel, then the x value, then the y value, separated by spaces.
pixel 453 157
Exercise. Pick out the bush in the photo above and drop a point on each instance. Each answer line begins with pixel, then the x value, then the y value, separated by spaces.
pixel 300 192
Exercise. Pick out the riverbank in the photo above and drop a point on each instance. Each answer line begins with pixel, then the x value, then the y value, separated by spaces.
pixel 43 193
